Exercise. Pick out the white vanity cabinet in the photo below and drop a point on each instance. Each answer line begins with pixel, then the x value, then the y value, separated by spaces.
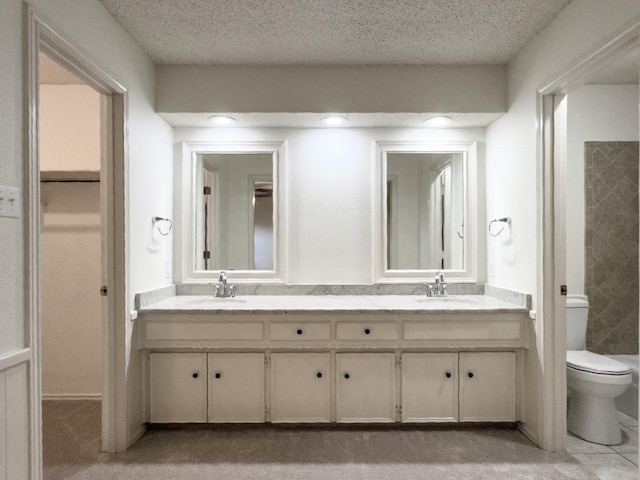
pixel 177 387
pixel 295 364
pixel 300 387
pixel 487 387
pixel 236 387
pixel 365 387
pixel 430 387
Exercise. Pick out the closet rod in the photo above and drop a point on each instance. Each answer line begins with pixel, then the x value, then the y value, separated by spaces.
pixel 69 180
pixel 68 176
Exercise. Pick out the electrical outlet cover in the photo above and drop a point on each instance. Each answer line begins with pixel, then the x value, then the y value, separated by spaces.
pixel 10 205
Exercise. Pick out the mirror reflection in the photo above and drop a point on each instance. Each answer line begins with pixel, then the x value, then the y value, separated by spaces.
pixel 425 211
pixel 235 229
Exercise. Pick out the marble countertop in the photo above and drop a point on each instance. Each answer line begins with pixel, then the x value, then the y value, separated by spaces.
pixel 314 304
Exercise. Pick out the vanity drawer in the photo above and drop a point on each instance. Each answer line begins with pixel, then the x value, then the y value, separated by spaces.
pixel 346 331
pixel 302 331
pixel 209 331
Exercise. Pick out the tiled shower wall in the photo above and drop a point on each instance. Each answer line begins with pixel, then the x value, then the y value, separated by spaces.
pixel 611 236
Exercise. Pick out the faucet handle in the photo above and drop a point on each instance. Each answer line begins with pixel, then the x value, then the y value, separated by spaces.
pixel 231 291
pixel 429 290
pixel 443 287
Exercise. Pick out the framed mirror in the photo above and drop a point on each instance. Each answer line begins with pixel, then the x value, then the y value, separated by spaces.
pixel 232 211
pixel 426 211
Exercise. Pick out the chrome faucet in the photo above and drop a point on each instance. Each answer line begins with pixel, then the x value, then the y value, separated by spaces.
pixel 223 290
pixel 439 288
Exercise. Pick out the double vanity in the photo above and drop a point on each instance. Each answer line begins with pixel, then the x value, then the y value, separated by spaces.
pixel 333 358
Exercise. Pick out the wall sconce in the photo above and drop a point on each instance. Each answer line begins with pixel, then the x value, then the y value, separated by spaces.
pixel 155 220
pixel 505 220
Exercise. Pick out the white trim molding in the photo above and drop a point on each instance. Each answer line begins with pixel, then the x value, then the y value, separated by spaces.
pixel 41 37
pixel 15 358
pixel 472 255
pixel 188 181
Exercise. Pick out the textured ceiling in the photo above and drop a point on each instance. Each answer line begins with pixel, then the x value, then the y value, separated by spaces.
pixel 333 32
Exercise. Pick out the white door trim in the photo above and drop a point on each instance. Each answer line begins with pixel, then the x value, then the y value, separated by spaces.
pixel 552 161
pixel 42 37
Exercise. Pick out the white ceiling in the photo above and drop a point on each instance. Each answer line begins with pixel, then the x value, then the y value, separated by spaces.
pixel 333 32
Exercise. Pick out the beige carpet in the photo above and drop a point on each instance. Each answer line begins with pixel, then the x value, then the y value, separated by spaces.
pixel 72 439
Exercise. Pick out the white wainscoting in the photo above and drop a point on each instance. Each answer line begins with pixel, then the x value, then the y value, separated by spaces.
pixel 14 415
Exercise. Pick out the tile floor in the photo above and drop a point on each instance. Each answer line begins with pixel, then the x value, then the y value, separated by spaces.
pixel 619 462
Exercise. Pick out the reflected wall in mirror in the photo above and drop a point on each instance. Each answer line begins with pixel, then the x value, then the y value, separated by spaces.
pixel 232 210
pixel 427 210
pixel 235 227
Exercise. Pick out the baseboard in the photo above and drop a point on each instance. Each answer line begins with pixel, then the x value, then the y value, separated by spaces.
pixel 72 396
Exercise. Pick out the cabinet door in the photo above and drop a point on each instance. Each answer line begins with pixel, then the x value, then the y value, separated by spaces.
pixel 178 387
pixel 300 387
pixel 366 387
pixel 429 387
pixel 236 387
pixel 487 387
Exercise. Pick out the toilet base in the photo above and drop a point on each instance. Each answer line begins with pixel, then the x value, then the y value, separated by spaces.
pixel 594 419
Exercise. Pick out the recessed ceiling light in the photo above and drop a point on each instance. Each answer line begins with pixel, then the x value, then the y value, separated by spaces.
pixel 334 120
pixel 221 120
pixel 439 121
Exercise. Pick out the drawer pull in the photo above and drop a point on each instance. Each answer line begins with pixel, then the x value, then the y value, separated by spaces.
pixel 448 374
pixel 367 331
pixel 218 375
pixel 470 374
pixel 299 332
pixel 346 375
pixel 195 375
pixel 319 374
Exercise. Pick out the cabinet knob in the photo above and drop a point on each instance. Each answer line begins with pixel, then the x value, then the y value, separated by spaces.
pixel 346 375
pixel 299 331
pixel 319 374
pixel 195 375
pixel 218 375
pixel 448 374
pixel 367 331
pixel 470 374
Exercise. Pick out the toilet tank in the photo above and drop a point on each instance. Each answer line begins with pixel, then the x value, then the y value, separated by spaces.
pixel 577 316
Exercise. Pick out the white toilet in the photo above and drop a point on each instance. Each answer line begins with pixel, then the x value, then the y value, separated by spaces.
pixel 593 381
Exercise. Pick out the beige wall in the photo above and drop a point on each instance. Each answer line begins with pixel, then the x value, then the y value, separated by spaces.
pixel 69 128
pixel 70 253
pixel 70 281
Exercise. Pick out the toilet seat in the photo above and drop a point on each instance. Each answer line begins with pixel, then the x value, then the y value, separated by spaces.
pixel 594 363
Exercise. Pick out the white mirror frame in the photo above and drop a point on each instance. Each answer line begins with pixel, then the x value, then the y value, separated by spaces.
pixel 186 243
pixel 469 274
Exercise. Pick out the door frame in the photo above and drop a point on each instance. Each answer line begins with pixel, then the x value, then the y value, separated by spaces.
pixel 41 37
pixel 551 265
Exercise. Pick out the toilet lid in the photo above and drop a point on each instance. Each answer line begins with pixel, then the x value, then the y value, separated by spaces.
pixel 595 363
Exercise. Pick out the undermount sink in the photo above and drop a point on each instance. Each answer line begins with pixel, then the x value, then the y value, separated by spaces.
pixel 214 300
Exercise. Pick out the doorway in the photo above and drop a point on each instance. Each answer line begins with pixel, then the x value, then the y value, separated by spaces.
pixel 113 205
pixel 70 260
pixel 553 137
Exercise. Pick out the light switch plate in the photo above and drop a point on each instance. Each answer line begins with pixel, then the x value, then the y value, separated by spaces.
pixel 9 201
